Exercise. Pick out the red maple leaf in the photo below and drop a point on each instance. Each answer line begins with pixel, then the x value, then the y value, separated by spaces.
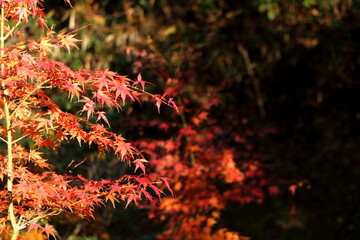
pixel 49 230
pixel 132 198
pixel 101 115
pixel 139 163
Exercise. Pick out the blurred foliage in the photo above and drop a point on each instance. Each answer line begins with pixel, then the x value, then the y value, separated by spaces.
pixel 292 66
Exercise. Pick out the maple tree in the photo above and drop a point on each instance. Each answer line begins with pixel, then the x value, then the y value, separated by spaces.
pixel 32 124
pixel 301 58
pixel 208 153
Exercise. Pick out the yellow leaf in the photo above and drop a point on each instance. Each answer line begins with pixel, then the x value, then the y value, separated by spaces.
pixel 168 31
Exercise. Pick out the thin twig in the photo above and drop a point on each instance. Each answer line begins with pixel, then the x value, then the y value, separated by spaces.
pixel 3 140
pixel 28 95
pixel 254 79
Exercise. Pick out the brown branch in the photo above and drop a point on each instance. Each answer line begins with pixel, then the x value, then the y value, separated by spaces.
pixel 255 81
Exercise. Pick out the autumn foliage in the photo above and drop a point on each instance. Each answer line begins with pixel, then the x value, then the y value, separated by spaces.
pixel 235 67
pixel 207 151
pixel 210 167
pixel 206 155
pixel 32 124
pixel 209 154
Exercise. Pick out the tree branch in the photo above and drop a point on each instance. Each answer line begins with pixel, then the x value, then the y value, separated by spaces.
pixel 254 79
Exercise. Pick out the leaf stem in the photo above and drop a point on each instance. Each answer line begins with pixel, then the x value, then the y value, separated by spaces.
pixel 27 96
pixel 11 30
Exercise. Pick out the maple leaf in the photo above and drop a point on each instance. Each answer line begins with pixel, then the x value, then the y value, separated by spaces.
pixel 22 13
pixel 132 198
pixel 123 148
pixel 102 98
pixel 42 22
pixel 123 92
pixel 139 163
pixel 34 226
pixel 37 159
pixel 148 196
pixel 141 82
pixel 89 106
pixel 47 143
pixel 166 181
pixel 156 190
pixel 68 41
pixel 73 89
pixel 143 180
pixel 101 115
pixel 116 188
pixel 112 198
pixel 49 230
pixel 45 46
